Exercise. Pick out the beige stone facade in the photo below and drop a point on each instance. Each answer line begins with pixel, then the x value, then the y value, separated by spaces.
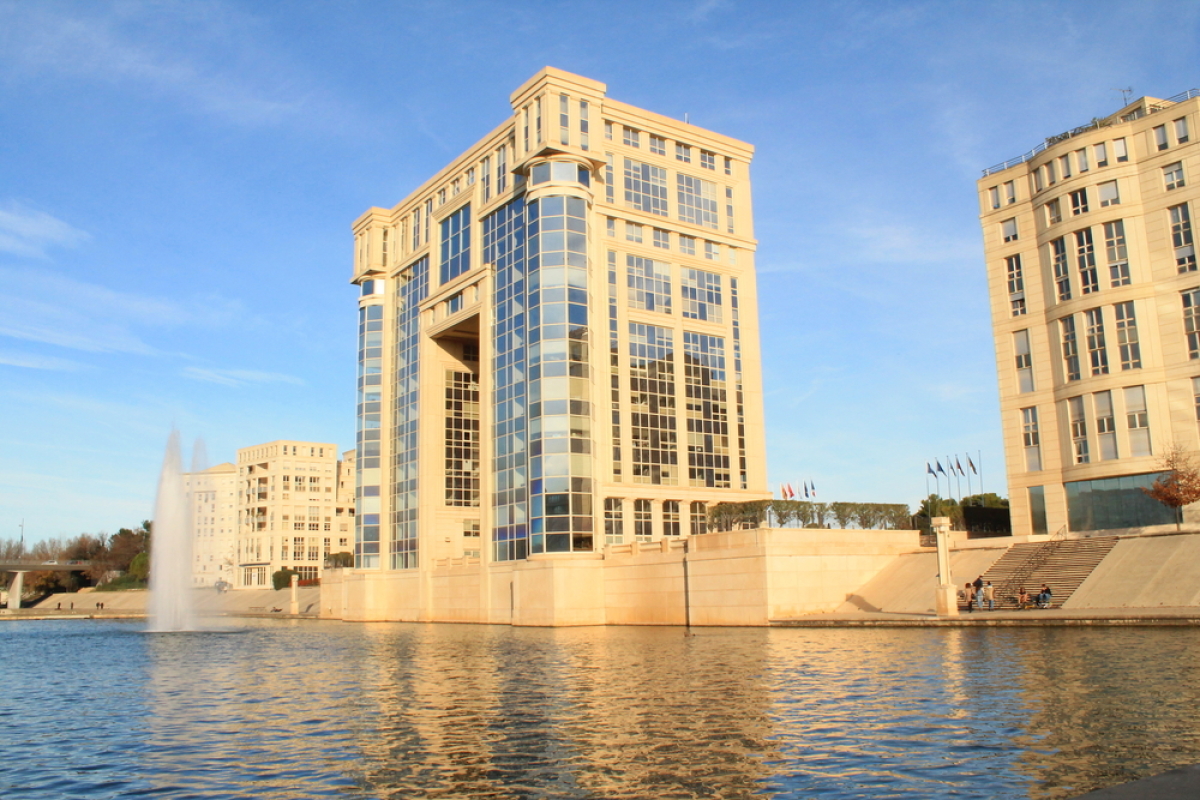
pixel 1095 300
pixel 295 507
pixel 212 509
pixel 558 341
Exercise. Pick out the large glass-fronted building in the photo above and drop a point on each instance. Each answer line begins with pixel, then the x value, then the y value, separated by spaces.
pixel 558 341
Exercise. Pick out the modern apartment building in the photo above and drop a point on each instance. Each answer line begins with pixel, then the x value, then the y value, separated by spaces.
pixel 295 507
pixel 558 340
pixel 212 511
pixel 1095 299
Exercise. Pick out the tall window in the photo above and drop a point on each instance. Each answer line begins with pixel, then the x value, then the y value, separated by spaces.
pixel 1079 440
pixel 1062 273
pixel 1101 152
pixel 1008 229
pixel 1053 211
pixel 1082 157
pixel 1120 150
pixel 649 284
pixel 583 124
pixel 1106 428
pixel 632 138
pixel 1173 175
pixel 1085 258
pixel 1181 238
pixel 707 410
pixel 456 244
pixel 1127 336
pixel 701 294
pixel 1191 321
pixel 1160 137
pixel 1024 361
pixel 670 518
pixel 1138 419
pixel 1010 192
pixel 614 523
pixel 1079 201
pixel 1097 352
pixel 462 439
pixel 643 520
pixel 564 119
pixel 1070 348
pixel 1118 255
pixel 1181 130
pixel 994 196
pixel 1109 194
pixel 1016 284
pixel 708 160
pixel 652 405
pixel 645 187
pixel 658 145
pixel 1031 439
pixel 683 153
pixel 697 200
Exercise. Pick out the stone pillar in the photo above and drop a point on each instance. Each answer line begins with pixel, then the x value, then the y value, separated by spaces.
pixel 14 591
pixel 295 594
pixel 946 600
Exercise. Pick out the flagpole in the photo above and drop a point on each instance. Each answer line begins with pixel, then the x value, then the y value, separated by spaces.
pixel 979 455
pixel 969 476
pixel 958 477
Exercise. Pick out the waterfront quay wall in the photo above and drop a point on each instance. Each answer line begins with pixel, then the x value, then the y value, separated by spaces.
pixel 745 577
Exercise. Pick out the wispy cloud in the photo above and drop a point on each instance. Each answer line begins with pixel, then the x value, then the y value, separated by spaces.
pixel 207 56
pixel 238 377
pixel 64 312
pixel 30 361
pixel 29 232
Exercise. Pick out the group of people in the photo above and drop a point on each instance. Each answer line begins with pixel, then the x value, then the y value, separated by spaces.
pixel 980 592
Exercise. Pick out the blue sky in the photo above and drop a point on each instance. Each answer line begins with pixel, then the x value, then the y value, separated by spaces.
pixel 177 183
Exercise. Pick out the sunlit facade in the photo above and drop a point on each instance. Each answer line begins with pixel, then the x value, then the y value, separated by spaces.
pixel 558 339
pixel 1095 299
pixel 212 498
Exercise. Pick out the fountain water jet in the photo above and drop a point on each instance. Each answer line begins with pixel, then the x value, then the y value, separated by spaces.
pixel 172 606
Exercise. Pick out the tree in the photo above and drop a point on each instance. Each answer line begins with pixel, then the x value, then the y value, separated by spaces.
pixel 282 579
pixel 987 500
pixel 342 559
pixel 937 506
pixel 1179 485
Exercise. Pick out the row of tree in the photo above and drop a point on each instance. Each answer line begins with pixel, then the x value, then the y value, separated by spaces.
pixel 120 559
pixel 809 514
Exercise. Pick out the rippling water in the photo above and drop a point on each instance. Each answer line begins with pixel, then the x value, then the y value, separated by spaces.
pixel 282 709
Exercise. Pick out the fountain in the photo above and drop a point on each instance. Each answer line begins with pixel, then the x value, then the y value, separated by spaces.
pixel 172 604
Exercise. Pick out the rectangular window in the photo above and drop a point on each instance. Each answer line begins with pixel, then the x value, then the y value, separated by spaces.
pixel 1196 397
pixel 1016 284
pixel 1173 175
pixel 670 517
pixel 608 130
pixel 1031 439
pixel 1097 350
pixel 501 169
pixel 699 518
pixel 564 119
pixel 1062 273
pixel 1064 165
pixel 611 225
pixel 1085 259
pixel 1181 130
pixel 687 244
pixel 712 251
pixel 1109 195
pixel 1082 157
pixel 1008 230
pixel 1138 420
pixel 633 232
pixel 707 411
pixel 1079 201
pixel 652 406
pixel 728 166
pixel 700 292
pixel 610 181
pixel 697 200
pixel 1051 173
pixel 643 520
pixel 461 439
pixel 1024 358
pixel 1118 256
pixel 1191 321
pixel 1160 137
pixel 486 171
pixel 645 187
pixel 729 209
pixel 614 523
pixel 1127 336
pixel 1053 211
pixel 1120 151
pixel 708 160
pixel 662 238
pixel 1070 348
pixel 1010 192
pixel 456 244
pixel 1079 441
pixel 1037 181
pixel 632 137
pixel 1181 238
pixel 658 145
pixel 583 124
pixel 1106 427
pixel 994 196
pixel 683 153
pixel 649 284
pixel 1101 152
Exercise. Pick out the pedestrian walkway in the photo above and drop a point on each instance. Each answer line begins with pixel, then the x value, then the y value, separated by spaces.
pixel 1050 617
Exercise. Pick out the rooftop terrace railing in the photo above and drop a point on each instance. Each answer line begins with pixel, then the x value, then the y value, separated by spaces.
pixel 1091 126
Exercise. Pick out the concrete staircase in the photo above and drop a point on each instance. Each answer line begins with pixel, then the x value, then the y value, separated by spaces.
pixel 1061 564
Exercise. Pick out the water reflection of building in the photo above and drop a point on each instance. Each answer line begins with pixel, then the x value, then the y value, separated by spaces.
pixel 558 343
pixel 1096 313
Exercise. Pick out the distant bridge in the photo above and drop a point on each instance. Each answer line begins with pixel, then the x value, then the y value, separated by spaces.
pixel 21 567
